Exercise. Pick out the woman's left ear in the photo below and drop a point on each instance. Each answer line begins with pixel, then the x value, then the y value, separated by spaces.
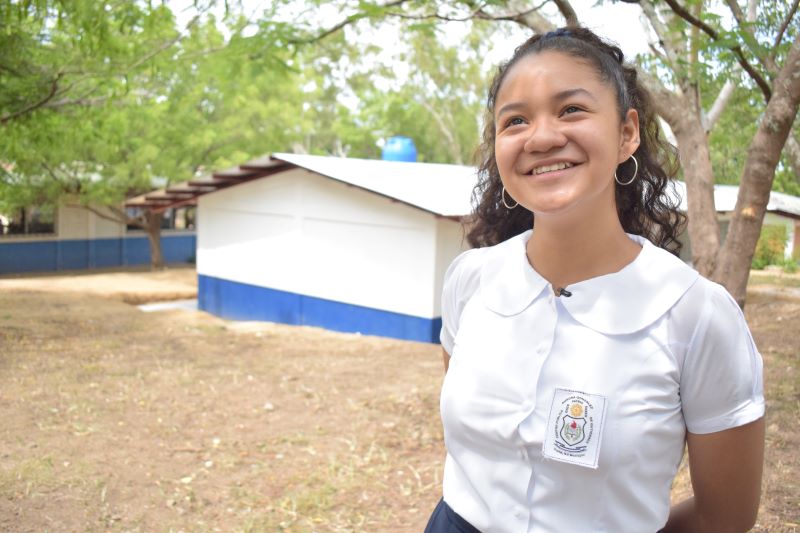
pixel 630 135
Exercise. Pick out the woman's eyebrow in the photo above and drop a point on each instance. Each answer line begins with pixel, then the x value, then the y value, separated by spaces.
pixel 511 106
pixel 559 96
pixel 569 93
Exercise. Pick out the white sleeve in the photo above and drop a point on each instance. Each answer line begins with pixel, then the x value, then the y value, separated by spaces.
pixel 721 382
pixel 460 283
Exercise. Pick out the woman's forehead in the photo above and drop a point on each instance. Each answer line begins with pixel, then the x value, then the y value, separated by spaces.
pixel 551 72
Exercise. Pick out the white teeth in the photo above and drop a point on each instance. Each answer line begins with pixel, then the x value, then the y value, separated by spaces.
pixel 550 168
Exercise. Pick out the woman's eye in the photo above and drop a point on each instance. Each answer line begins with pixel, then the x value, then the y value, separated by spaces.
pixel 516 121
pixel 571 109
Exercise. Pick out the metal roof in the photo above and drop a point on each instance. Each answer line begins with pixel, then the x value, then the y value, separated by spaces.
pixel 444 190
pixel 186 193
pixel 725 200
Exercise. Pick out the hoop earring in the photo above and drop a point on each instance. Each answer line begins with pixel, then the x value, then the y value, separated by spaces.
pixel 635 172
pixel 503 197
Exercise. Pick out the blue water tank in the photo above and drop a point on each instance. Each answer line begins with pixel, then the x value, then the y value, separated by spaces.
pixel 399 148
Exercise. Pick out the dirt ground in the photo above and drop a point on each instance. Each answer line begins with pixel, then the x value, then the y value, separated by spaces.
pixel 130 286
pixel 119 420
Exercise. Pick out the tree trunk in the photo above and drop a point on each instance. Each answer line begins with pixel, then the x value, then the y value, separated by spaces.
pixel 699 178
pixel 792 150
pixel 763 154
pixel 152 228
pixel 679 110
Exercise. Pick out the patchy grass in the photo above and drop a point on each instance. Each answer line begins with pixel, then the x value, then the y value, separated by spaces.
pixel 117 420
pixel 773 278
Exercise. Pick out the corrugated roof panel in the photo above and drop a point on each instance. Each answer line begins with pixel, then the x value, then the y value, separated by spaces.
pixel 441 189
pixel 444 190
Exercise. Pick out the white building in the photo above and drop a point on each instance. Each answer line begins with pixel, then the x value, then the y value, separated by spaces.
pixel 345 244
pixel 69 237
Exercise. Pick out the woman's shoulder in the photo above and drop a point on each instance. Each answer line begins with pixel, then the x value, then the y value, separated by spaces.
pixel 465 270
pixel 711 297
pixel 707 314
pixel 463 274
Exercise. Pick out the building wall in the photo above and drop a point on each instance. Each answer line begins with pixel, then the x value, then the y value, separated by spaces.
pixel 84 240
pixel 770 219
pixel 450 241
pixel 79 223
pixel 305 249
pixel 724 219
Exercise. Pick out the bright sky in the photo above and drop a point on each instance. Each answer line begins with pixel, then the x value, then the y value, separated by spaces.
pixel 617 21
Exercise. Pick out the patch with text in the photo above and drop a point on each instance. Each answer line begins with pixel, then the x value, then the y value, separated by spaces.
pixel 575 428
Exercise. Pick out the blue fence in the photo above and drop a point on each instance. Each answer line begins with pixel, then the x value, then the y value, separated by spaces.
pixel 76 254
pixel 240 301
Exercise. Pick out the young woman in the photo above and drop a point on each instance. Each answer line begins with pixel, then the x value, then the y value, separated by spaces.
pixel 581 355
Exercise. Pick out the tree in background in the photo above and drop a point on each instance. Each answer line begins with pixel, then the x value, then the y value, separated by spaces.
pixel 753 53
pixel 101 104
pixel 692 52
pixel 355 95
pixel 96 102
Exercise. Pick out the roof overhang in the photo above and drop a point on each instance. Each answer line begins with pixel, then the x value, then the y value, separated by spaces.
pixel 187 192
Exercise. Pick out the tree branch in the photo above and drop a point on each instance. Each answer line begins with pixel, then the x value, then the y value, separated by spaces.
pixel 565 8
pixel 664 39
pixel 782 30
pixel 36 105
pixel 743 20
pixel 55 89
pixel 77 101
pixel 210 148
pixel 343 23
pixel 426 16
pixel 752 7
pixel 792 151
pixel 718 106
pixel 658 53
pixel 165 45
pixel 738 14
pixel 524 16
pixel 737 50
pixel 667 105
pixel 118 215
pixel 455 148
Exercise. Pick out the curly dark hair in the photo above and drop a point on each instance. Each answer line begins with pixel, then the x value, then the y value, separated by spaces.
pixel 645 207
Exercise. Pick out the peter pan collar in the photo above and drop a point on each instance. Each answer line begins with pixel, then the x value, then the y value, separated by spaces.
pixel 614 304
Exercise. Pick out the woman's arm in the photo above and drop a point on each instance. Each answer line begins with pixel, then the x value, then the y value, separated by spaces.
pixel 726 478
pixel 446 357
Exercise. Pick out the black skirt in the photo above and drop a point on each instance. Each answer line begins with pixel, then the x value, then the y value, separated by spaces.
pixel 445 520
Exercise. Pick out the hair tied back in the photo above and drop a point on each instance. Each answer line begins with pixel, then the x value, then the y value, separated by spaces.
pixel 561 32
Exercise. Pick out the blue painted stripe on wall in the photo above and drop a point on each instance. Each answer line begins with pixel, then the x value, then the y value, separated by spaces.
pixel 241 301
pixel 76 254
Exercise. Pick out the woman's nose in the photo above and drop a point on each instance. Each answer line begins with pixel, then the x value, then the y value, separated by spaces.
pixel 543 136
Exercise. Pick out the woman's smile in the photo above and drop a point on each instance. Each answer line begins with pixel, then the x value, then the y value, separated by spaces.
pixel 559 135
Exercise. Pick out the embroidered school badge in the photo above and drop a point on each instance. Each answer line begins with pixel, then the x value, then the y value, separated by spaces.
pixel 575 428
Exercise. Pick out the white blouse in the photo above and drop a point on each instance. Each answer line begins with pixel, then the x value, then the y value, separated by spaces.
pixel 570 413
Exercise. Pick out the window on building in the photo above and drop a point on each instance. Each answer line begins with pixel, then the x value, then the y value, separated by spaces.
pixel 181 218
pixel 39 220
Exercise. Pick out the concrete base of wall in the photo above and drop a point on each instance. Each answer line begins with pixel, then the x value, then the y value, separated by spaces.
pixel 77 254
pixel 240 301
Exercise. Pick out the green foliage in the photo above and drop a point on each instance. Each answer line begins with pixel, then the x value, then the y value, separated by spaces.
pixel 790 265
pixel 770 247
pixel 729 139
pixel 139 101
pixel 353 97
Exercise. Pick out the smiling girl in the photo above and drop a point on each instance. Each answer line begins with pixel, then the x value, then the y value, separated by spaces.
pixel 581 354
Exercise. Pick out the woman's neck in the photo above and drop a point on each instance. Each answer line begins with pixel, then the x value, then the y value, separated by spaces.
pixel 566 253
